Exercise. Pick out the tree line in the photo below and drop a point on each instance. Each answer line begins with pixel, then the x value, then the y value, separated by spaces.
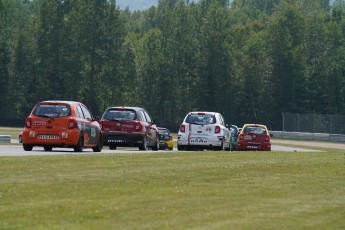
pixel 249 60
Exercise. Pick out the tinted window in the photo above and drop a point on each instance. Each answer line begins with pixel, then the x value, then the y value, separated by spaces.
pixel 202 119
pixel 52 110
pixel 120 114
pixel 79 112
pixel 148 118
pixel 86 112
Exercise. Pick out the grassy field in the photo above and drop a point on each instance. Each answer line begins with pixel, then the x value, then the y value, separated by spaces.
pixel 196 190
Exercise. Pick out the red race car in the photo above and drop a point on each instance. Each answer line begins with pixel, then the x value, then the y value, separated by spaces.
pixel 129 127
pixel 66 124
pixel 254 137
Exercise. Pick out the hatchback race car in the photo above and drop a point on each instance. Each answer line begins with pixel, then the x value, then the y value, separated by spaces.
pixel 203 130
pixel 66 124
pixel 165 139
pixel 129 126
pixel 254 137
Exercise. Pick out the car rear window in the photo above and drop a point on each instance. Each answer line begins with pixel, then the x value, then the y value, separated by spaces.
pixel 165 132
pixel 254 130
pixel 115 114
pixel 201 119
pixel 52 110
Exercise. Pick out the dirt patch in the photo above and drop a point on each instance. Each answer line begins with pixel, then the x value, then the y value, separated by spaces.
pixel 317 144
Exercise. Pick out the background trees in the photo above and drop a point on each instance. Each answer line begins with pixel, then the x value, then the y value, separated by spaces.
pixel 249 60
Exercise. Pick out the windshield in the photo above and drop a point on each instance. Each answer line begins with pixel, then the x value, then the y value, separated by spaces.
pixel 254 130
pixel 201 119
pixel 114 114
pixel 52 110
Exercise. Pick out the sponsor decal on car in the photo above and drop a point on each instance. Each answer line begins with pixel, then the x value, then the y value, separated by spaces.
pixel 50 137
pixel 198 140
pixel 38 123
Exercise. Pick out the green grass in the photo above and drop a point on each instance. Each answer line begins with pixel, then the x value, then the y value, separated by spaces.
pixel 196 190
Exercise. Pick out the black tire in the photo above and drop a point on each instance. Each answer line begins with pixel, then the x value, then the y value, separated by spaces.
pixel 27 147
pixel 80 146
pixel 143 146
pixel 180 148
pixel 156 147
pixel 221 148
pixel 112 147
pixel 48 148
pixel 99 145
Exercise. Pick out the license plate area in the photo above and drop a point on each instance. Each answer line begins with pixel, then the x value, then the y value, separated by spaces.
pixel 48 137
pixel 198 140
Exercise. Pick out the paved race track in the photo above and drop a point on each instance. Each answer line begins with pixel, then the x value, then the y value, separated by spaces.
pixel 17 150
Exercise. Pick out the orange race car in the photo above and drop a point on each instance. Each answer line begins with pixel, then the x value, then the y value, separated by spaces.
pixel 66 124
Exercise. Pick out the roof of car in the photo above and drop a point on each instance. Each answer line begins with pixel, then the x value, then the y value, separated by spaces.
pixel 258 125
pixel 200 112
pixel 58 101
pixel 125 107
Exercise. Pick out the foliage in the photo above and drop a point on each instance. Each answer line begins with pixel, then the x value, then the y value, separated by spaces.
pixel 250 60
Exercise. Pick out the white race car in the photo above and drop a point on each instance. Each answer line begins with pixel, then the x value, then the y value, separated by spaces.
pixel 204 130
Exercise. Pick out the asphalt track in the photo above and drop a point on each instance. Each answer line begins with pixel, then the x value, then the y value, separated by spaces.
pixel 17 150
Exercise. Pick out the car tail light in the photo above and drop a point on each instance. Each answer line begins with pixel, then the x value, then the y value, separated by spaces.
pixel 267 137
pixel 182 128
pixel 28 122
pixel 138 126
pixel 72 124
pixel 217 129
pixel 241 136
pixel 201 114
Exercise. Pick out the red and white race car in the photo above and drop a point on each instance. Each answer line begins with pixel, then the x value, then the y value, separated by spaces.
pixel 204 130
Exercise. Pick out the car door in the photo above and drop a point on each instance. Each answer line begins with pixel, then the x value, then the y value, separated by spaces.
pixel 91 130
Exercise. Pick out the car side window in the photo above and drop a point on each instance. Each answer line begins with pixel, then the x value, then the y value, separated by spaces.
pixel 221 120
pixel 79 112
pixel 142 116
pixel 148 118
pixel 86 112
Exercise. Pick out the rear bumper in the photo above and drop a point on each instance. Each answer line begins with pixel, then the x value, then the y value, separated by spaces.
pixel 54 138
pixel 125 140
pixel 166 145
pixel 199 141
pixel 265 146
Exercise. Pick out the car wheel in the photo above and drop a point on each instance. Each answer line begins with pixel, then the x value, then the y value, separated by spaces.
pixel 48 148
pixel 143 146
pixel 222 145
pixel 80 146
pixel 156 147
pixel 180 148
pixel 99 145
pixel 112 147
pixel 27 147
pixel 229 147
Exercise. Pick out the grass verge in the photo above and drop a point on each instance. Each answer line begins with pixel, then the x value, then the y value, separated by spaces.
pixel 195 190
